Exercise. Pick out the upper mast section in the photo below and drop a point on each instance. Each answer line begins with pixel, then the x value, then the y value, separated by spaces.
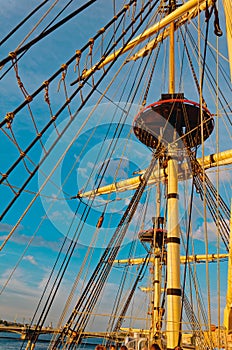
pixel 173 113
pixel 172 7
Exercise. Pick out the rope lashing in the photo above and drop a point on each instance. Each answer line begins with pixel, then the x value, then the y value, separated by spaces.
pixel 208 14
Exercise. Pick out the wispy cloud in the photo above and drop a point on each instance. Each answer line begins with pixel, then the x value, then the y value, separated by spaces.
pixel 4 227
pixel 83 173
pixel 19 283
pixel 200 232
pixel 224 175
pixel 38 241
pixel 22 296
pixel 31 259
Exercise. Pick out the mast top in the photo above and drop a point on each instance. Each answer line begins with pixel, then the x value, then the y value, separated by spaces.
pixel 172 113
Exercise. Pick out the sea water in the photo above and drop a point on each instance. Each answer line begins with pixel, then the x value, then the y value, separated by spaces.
pixel 10 343
pixel 13 342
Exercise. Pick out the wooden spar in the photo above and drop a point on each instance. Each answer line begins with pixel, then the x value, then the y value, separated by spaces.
pixel 124 185
pixel 227 4
pixel 223 158
pixel 199 258
pixel 170 18
pixel 166 32
pixel 213 160
pixel 134 330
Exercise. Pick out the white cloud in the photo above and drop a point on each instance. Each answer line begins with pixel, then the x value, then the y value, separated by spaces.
pixel 90 165
pixel 83 173
pixel 19 283
pixel 31 259
pixel 4 227
pixel 21 298
pixel 53 198
pixel 38 241
pixel 224 175
pixel 200 232
pixel 16 238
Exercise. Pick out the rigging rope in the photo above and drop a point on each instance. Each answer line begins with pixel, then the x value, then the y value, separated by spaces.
pixel 191 66
pixel 10 116
pixel 211 196
pixel 213 82
pixel 131 294
pixel 78 206
pixel 92 290
pixel 196 328
pixel 22 22
pixel 39 135
pixel 54 118
pixel 19 57
pixel 36 25
pixel 205 51
pixel 199 185
pixel 48 31
pixel 116 306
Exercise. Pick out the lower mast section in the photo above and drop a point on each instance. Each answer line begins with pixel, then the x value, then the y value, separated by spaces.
pixel 228 308
pixel 173 253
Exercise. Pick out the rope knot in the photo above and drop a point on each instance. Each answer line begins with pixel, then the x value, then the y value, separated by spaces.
pixel 102 30
pixel 20 84
pixel 208 14
pixel 12 54
pixel 29 98
pixel 91 42
pixel 78 53
pixel 63 75
pixel 9 118
pixel 78 57
pixel 64 66
pixel 46 95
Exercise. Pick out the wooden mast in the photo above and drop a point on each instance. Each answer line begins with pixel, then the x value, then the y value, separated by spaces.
pixel 173 234
pixel 173 253
pixel 228 308
pixel 172 59
pixel 156 283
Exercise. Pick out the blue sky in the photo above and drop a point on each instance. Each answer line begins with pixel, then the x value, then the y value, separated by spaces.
pixel 49 217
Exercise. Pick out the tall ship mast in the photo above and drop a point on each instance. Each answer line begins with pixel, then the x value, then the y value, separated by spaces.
pixel 116 173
